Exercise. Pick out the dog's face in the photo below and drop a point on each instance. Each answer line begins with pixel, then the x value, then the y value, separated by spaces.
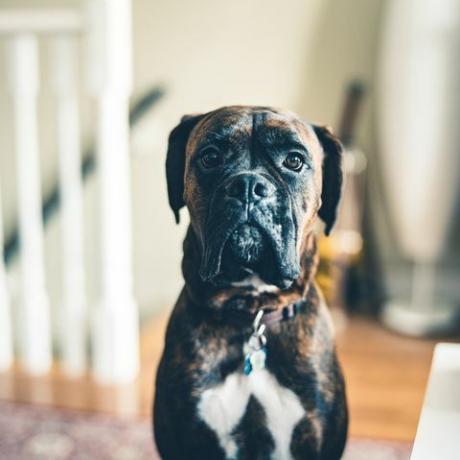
pixel 253 179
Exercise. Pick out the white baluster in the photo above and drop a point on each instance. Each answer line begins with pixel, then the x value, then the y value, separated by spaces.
pixel 35 338
pixel 116 329
pixel 6 345
pixel 73 314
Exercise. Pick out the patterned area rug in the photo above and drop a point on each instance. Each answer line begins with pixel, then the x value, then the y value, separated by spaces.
pixel 36 432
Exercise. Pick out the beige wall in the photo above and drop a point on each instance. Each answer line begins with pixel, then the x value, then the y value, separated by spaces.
pixel 296 54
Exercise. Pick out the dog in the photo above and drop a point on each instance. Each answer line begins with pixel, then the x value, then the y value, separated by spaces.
pixel 249 369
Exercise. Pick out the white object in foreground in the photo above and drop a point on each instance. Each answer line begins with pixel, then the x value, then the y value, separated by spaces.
pixel 439 425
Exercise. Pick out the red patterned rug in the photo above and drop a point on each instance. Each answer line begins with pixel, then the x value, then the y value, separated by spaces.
pixel 35 432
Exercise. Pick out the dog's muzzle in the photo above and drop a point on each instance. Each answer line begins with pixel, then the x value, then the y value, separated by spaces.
pixel 249 188
pixel 251 231
pixel 247 242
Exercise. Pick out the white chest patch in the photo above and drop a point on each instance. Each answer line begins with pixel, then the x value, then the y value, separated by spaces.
pixel 223 406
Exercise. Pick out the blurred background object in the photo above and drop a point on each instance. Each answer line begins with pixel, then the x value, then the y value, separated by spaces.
pixel 418 114
pixel 341 253
pixel 89 91
pixel 114 322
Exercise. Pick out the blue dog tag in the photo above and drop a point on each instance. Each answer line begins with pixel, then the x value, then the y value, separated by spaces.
pixel 255 360
pixel 256 352
pixel 247 366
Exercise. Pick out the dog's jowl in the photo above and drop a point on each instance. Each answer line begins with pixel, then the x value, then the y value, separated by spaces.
pixel 249 369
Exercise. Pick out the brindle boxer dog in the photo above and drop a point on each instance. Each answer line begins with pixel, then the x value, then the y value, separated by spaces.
pixel 234 383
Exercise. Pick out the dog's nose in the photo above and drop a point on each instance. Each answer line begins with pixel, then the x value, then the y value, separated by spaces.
pixel 249 188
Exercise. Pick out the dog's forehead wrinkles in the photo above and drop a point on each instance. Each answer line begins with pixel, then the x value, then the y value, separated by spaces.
pixel 267 126
pixel 222 126
pixel 272 129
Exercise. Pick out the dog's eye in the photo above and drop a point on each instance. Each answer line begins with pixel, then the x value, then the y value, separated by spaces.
pixel 211 158
pixel 294 161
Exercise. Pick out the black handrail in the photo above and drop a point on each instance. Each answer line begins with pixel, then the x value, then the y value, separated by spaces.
pixel 51 201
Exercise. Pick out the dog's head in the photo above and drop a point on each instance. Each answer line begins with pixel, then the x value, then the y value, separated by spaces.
pixel 253 179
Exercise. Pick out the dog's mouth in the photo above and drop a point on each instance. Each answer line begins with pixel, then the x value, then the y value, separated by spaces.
pixel 249 250
pixel 246 245
pixel 245 252
pixel 239 241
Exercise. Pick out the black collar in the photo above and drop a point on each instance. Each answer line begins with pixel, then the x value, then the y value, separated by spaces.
pixel 236 310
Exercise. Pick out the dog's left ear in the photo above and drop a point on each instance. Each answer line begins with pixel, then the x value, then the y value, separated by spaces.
pixel 332 175
pixel 175 161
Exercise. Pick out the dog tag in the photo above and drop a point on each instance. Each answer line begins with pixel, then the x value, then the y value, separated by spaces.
pixel 258 358
pixel 255 360
pixel 247 365
pixel 256 352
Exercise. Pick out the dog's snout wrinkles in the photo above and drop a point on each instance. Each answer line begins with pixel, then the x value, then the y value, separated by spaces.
pixel 249 188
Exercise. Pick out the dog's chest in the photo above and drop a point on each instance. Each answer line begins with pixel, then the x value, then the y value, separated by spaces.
pixel 223 407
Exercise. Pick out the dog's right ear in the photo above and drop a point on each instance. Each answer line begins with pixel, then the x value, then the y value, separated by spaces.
pixel 175 161
pixel 332 175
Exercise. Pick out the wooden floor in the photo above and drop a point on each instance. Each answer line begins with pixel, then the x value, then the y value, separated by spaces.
pixel 386 375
